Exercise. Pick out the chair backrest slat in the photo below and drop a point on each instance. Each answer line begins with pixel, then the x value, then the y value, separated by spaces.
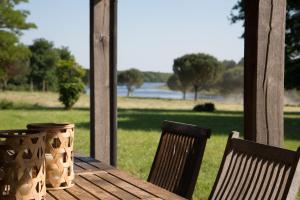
pixel 251 170
pixel 178 158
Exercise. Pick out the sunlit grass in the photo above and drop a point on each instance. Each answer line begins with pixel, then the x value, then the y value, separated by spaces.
pixel 139 123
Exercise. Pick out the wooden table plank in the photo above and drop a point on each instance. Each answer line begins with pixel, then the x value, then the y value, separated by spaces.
pixel 125 186
pixel 62 195
pixel 80 193
pixel 86 164
pixel 95 180
pixel 93 189
pixel 95 163
pixel 110 187
pixel 49 197
pixel 77 168
pixel 145 186
pixel 152 189
pixel 155 198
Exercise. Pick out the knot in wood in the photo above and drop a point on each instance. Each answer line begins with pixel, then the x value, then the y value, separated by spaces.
pixel 102 37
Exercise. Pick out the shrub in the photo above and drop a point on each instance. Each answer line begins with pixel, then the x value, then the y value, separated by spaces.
pixel 6 104
pixel 207 107
pixel 70 82
pixel 69 93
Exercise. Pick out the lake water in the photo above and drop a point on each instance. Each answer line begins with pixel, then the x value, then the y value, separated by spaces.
pixel 155 90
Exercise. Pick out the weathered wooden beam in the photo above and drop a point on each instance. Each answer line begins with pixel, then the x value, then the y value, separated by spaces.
pixel 264 70
pixel 103 80
pixel 113 80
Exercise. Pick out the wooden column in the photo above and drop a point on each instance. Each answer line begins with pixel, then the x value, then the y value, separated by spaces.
pixel 103 47
pixel 264 70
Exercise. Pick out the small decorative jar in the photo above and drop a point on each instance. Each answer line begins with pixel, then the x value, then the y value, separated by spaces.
pixel 22 165
pixel 59 154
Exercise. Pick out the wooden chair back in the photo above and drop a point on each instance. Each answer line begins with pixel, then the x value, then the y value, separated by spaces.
pixel 251 170
pixel 178 158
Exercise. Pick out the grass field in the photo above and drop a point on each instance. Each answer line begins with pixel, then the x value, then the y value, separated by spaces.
pixel 138 128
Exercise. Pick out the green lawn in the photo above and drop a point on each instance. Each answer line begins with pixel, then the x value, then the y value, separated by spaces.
pixel 139 129
pixel 139 135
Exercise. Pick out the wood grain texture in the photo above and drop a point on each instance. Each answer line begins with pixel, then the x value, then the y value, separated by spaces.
pixel 178 158
pixel 96 180
pixel 61 195
pixel 103 80
pixel 264 71
pixel 251 170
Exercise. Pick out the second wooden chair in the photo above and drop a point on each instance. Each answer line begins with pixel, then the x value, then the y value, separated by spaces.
pixel 178 158
pixel 251 170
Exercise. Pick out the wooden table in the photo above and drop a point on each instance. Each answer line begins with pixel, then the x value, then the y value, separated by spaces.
pixel 95 180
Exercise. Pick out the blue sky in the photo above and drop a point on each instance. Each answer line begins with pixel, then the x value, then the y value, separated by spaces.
pixel 151 33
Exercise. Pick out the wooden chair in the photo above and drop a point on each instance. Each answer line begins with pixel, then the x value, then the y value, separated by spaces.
pixel 178 158
pixel 255 171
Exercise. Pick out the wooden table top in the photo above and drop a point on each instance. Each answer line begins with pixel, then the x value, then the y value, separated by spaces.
pixel 95 180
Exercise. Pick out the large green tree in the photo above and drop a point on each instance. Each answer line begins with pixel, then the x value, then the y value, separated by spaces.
pixel 200 70
pixel 44 58
pixel 292 39
pixel 13 55
pixel 174 83
pixel 232 81
pixel 132 79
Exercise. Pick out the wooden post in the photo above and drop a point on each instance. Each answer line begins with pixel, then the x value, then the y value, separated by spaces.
pixel 264 70
pixel 113 80
pixel 103 80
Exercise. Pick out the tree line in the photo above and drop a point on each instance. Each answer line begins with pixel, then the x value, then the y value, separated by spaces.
pixel 194 73
pixel 134 78
pixel 156 76
pixel 37 67
pixel 40 66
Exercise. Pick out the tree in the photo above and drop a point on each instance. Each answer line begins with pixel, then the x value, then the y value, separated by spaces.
pixel 2 76
pixel 292 39
pixel 13 55
pixel 13 20
pixel 86 78
pixel 64 53
pixel 156 76
pixel 292 50
pixel 200 70
pixel 241 62
pixel 70 76
pixel 228 63
pixel 16 64
pixel 14 58
pixel 132 79
pixel 232 80
pixel 174 83
pixel 43 64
